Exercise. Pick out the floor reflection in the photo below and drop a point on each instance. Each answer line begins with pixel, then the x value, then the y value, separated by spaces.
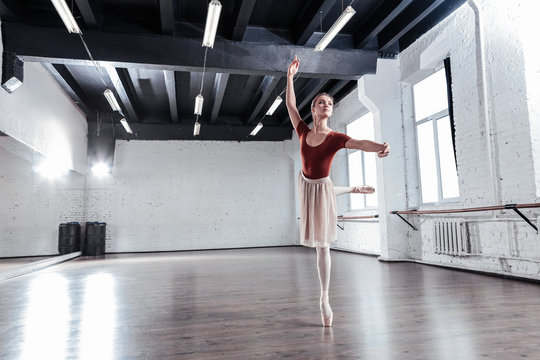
pixel 98 318
pixel 47 318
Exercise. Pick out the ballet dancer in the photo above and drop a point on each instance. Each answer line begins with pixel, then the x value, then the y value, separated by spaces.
pixel 318 146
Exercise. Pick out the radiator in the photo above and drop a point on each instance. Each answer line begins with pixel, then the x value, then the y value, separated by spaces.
pixel 452 238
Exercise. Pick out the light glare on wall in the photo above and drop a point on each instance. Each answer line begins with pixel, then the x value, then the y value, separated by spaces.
pixel 51 170
pixel 101 169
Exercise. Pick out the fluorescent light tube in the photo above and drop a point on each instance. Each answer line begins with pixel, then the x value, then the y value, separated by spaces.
pixel 256 130
pixel 274 106
pixel 212 20
pixel 112 100
pixel 196 128
pixel 125 124
pixel 199 100
pixel 336 28
pixel 67 17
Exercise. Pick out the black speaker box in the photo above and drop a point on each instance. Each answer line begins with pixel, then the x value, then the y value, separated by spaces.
pixel 12 71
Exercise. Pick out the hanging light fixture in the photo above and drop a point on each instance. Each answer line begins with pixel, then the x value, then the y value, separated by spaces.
pixel 256 130
pixel 336 28
pixel 126 126
pixel 109 95
pixel 274 106
pixel 196 128
pixel 67 17
pixel 212 20
pixel 199 100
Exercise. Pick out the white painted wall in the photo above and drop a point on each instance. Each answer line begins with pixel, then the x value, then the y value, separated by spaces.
pixel 381 95
pixel 185 195
pixel 41 115
pixel 31 208
pixel 497 137
pixel 43 118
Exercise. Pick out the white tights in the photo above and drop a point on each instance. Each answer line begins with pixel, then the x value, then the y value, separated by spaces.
pixel 324 264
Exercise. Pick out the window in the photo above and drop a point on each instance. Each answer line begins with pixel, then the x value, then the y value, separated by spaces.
pixel 435 138
pixel 362 169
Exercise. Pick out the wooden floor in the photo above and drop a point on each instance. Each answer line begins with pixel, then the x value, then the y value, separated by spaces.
pixel 10 263
pixel 263 304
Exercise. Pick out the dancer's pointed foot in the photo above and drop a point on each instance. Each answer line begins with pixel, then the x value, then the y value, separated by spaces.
pixel 326 311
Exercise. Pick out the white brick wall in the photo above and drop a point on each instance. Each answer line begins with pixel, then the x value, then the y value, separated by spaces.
pixel 196 195
pixel 31 208
pixel 496 157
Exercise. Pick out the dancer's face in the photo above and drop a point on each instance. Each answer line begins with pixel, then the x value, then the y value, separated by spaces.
pixel 323 107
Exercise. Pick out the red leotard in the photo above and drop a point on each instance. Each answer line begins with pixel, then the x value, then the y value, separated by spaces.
pixel 316 160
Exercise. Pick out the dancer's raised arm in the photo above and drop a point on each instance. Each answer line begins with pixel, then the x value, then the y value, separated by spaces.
pixel 290 99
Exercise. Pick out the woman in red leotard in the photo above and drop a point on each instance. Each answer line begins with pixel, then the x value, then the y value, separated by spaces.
pixel 317 195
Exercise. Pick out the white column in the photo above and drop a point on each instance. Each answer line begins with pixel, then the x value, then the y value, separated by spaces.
pixel 381 94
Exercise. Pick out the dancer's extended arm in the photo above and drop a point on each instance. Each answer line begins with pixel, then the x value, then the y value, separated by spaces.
pixel 290 99
pixel 382 150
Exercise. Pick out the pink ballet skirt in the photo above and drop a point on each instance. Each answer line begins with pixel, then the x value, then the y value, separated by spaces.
pixel 318 214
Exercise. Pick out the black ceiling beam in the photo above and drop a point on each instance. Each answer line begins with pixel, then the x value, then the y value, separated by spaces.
pixel 377 21
pixel 337 87
pixel 182 54
pixel 220 84
pixel 10 10
pixel 264 91
pixel 306 95
pixel 170 85
pixel 91 13
pixel 429 22
pixel 408 19
pixel 242 19
pixel 66 80
pixel 309 20
pixel 185 104
pixel 345 90
pixel 166 13
pixel 120 83
pixel 184 131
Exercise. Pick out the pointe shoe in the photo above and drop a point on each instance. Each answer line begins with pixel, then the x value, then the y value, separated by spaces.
pixel 326 318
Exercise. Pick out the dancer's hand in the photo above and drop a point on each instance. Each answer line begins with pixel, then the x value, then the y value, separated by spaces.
pixel 293 67
pixel 385 151
pixel 364 189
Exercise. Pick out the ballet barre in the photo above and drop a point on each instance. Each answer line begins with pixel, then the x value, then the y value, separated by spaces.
pixel 514 207
pixel 355 219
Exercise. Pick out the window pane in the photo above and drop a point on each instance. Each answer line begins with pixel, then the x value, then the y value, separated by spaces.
pixel 428 165
pixel 371 178
pixel 450 187
pixel 362 128
pixel 430 95
pixel 356 178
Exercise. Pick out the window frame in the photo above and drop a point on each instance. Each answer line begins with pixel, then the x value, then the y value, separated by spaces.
pixel 434 118
pixel 349 153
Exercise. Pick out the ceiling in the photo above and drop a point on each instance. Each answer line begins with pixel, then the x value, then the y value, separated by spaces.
pixel 149 53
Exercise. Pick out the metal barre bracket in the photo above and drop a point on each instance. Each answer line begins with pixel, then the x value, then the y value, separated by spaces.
pixel 411 225
pixel 513 207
